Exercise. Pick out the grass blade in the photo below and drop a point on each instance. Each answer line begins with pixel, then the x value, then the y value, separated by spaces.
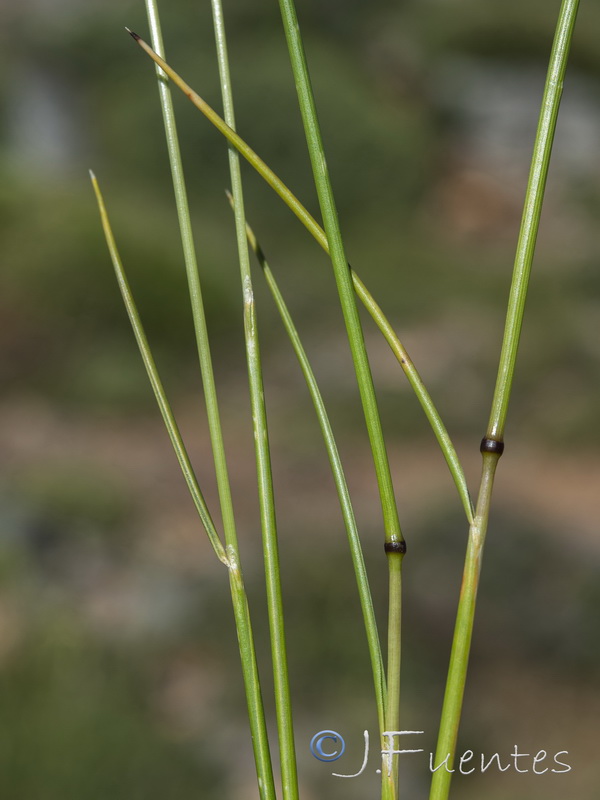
pixel 492 445
pixel 318 233
pixel 241 613
pixel 157 387
pixel 283 708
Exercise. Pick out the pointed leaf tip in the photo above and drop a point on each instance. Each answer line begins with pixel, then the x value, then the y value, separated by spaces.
pixel 132 34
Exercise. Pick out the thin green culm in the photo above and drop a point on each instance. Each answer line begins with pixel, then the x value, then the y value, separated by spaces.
pixel 250 673
pixel 492 445
pixel 283 705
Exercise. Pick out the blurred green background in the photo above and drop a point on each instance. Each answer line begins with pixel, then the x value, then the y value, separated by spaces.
pixel 118 666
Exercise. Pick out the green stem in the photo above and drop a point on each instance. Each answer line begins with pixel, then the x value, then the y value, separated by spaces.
pixel 341 271
pixel 256 711
pixel 463 631
pixel 250 673
pixel 531 215
pixel 193 279
pixel 318 233
pixel 492 445
pixel 156 383
pixel 360 571
pixel 289 777
pixel 389 772
pixel 343 277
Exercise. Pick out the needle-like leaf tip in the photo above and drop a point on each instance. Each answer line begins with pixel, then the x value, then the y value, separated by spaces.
pixel 92 175
pixel 132 34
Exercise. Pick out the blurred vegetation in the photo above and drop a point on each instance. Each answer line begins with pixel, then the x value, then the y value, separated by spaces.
pixel 118 670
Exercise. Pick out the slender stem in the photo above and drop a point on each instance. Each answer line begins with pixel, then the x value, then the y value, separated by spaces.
pixel 360 570
pixel 318 233
pixel 250 673
pixel 392 721
pixel 157 387
pixel 256 711
pixel 289 777
pixel 463 631
pixel 393 534
pixel 195 288
pixel 341 271
pixel 492 445
pixel 531 215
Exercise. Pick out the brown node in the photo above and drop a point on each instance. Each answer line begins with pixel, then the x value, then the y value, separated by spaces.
pixel 491 446
pixel 395 547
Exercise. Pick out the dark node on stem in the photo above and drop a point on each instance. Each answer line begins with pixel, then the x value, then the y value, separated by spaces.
pixel 133 35
pixel 395 547
pixel 491 446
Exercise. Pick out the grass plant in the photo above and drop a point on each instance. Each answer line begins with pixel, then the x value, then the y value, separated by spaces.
pixel 350 288
pixel 492 445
